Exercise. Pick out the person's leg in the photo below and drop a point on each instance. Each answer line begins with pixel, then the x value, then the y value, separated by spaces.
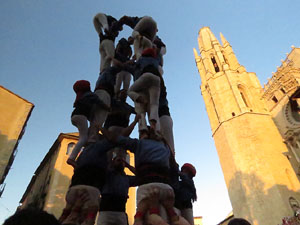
pixel 154 91
pixel 122 77
pixel 73 206
pixel 121 218
pixel 140 108
pixel 143 202
pixel 107 52
pixel 126 80
pixel 142 85
pixel 100 22
pixel 89 197
pixel 70 200
pixel 119 79
pixel 137 46
pixel 99 115
pixel 147 27
pixel 145 43
pixel 188 215
pixel 168 199
pixel 150 84
pixel 134 90
pixel 112 218
pixel 81 122
pixel 166 129
pixel 154 217
pixel 140 43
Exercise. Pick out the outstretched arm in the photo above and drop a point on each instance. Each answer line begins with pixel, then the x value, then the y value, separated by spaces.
pixel 128 130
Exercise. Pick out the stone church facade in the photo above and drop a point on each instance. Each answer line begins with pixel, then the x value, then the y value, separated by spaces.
pixel 255 129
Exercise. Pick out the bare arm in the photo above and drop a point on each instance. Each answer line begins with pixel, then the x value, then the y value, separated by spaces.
pixel 128 130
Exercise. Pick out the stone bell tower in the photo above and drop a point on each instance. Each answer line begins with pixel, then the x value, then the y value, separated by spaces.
pixel 259 177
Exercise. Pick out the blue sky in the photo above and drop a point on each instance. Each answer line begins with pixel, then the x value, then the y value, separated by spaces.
pixel 45 46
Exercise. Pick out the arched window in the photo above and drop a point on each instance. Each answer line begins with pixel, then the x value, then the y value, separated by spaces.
pixel 70 148
pixel 295 108
pixel 244 96
pixel 214 62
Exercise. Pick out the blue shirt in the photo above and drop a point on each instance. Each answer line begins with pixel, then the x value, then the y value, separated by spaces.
pixel 107 79
pixel 117 183
pixel 95 155
pixel 146 151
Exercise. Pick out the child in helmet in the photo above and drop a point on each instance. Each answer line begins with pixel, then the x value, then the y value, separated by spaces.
pixel 85 100
pixel 187 192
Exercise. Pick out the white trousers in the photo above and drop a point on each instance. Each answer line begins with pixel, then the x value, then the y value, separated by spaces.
pixel 148 25
pixel 147 85
pixel 143 191
pixel 111 218
pixel 106 47
pixel 164 191
pixel 139 44
pixel 100 22
pixel 122 77
pixel 99 115
pixel 81 122
pixel 107 52
pixel 79 207
pixel 166 129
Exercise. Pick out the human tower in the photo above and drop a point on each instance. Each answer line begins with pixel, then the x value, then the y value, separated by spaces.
pixel 99 184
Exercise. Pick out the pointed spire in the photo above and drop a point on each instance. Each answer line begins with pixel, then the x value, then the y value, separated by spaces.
pixel 212 36
pixel 228 54
pixel 195 53
pixel 205 38
pixel 200 66
pixel 223 40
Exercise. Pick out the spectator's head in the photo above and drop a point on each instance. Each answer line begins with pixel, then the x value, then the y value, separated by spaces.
pixel 189 170
pixel 238 221
pixel 31 216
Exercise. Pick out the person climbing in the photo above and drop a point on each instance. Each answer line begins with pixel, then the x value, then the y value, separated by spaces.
pixel 84 102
